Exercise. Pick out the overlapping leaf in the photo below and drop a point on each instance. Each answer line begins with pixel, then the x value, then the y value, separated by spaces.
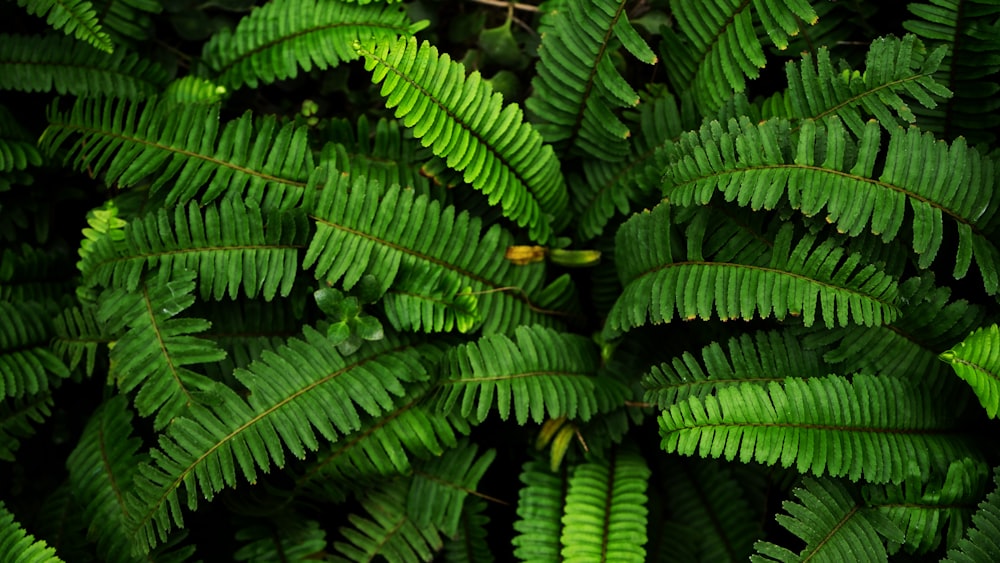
pixel 977 361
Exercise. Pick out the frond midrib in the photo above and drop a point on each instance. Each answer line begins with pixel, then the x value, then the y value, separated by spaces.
pixel 145 256
pixel 862 95
pixel 833 531
pixel 517 375
pixel 816 426
pixel 108 468
pixel 147 301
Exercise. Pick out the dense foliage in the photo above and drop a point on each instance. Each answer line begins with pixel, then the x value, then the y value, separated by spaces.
pixel 590 280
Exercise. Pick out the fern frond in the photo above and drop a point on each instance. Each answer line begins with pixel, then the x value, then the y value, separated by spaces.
pixel 27 366
pixel 819 169
pixel 824 425
pixel 101 469
pixel 539 511
pixel 716 46
pixel 928 512
pixel 576 88
pixel 18 418
pixel 469 545
pixel 193 90
pixel 273 41
pixel 387 532
pixel 834 524
pixel 893 67
pixel 440 486
pixel 34 274
pixel 464 121
pixel 78 335
pixel 245 328
pixel 286 537
pixel 42 63
pixel 128 20
pixel 17 148
pixel 304 387
pixel 605 513
pixel 798 274
pixel 760 357
pixel 969 29
pixel 77 18
pixel 381 153
pixel 981 543
pixel 361 229
pixel 181 147
pixel 17 545
pixel 231 246
pixel 977 361
pixel 540 373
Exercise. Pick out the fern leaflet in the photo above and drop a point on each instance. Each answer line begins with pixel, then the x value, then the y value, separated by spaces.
pixel 73 17
pixel 977 361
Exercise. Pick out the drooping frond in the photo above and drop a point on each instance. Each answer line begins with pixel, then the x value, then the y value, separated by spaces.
pixel 464 121
pixel 441 485
pixel 576 88
pixel 539 512
pixel 405 240
pixel 230 245
pixel 469 545
pixel 823 425
pixel 819 169
pixel 182 149
pixel 929 512
pixel 303 388
pixel 18 545
pixel 27 366
pixel 387 532
pixel 715 46
pixel 981 543
pixel 605 513
pixel 760 357
pixel 17 148
pixel 157 345
pixel 18 418
pixel 287 537
pixel 794 273
pixel 43 63
pixel 275 40
pixel 101 468
pixel 381 153
pixel 77 18
pixel 834 524
pixel 970 31
pixel 893 67
pixel 539 373
pixel 977 361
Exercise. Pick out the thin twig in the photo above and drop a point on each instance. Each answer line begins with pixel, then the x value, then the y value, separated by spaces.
pixel 504 4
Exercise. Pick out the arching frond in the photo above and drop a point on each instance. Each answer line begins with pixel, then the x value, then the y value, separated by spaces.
pixel 539 511
pixel 43 63
pixel 303 388
pixel 464 121
pixel 18 418
pixel 823 425
pixel 540 373
pixel 576 88
pixel 798 274
pixel 152 353
pixel 834 524
pixel 275 40
pixel 101 468
pixel 977 361
pixel 182 149
pixel 440 486
pixel 73 17
pixel 820 169
pixel 715 46
pixel 18 545
pixel 981 544
pixel 27 366
pixel 405 240
pixel 286 537
pixel 758 357
pixel 605 513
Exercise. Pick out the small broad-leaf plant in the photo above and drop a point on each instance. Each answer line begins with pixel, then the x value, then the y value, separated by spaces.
pixel 442 280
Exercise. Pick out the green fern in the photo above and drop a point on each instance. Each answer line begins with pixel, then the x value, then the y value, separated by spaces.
pixel 980 544
pixel 382 153
pixel 73 17
pixel 128 21
pixel 286 537
pixel 469 545
pixel 19 546
pixel 539 510
pixel 464 121
pixel 78 337
pixel 27 366
pixel 17 148
pixel 977 361
pixel 440 486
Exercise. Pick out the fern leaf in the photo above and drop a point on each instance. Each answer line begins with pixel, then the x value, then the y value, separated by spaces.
pixel 127 21
pixel 756 165
pixel 576 88
pixel 539 510
pixel 382 153
pixel 304 387
pixel 605 514
pixel 78 335
pixel 244 329
pixel 981 544
pixel 181 146
pixel 463 120
pixel 403 240
pixel 827 426
pixel 193 90
pixel 34 274
pixel 27 367
pixel 469 545
pixel 540 373
pixel 814 278
pixel 440 486
pixel 18 418
pixel 42 63
pixel 230 245
pixel 275 40
pixel 77 18
pixel 835 525
pixel 101 469
pixel 286 537
pixel 977 361
pixel 17 148
pixel 17 545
